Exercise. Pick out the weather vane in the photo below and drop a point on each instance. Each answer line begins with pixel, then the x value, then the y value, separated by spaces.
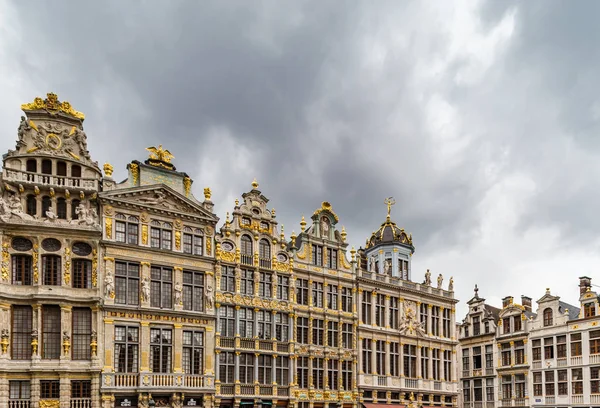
pixel 389 202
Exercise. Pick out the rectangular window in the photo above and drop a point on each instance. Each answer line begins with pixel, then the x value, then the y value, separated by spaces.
pixel 81 389
pixel 302 372
pixel 155 237
pixel 332 374
pixel 226 367
pixel 318 373
pixel 506 354
pixel 347 341
pixel 589 310
pixel 537 384
pixel 166 239
pixel 332 258
pixel 476 325
pixel 410 361
pixel 347 374
pixel 425 362
pixel 21 270
pixel 563 386
pixel 228 279
pixel 506 387
pixel 561 347
pixel 317 294
pixel 51 336
pixel 467 391
pixel 302 292
pixel 82 273
pixel 447 365
pixel 50 389
pixel 282 327
pixel 193 291
pixel 489 356
pixel 595 342
pixel 536 350
pixel 283 287
pixel 394 313
pixel 549 382
pixel 22 320
pixel 19 390
pixel 506 325
pixel 576 344
pixel 394 358
pixel 477 358
pixel 347 299
pixel 282 374
pixel 332 334
pixel 435 366
pixel 246 370
pixel 380 310
pixel 192 244
pixel 193 352
pixel 489 393
pixel 332 297
pixel 576 380
pixel 423 312
pixel 380 357
pixel 517 323
pixel 595 380
pixel 548 348
pixel 477 390
pixel 126 349
pixel 161 341
pixel 127 283
pixel 317 255
pixel 446 323
pixel 366 307
pixel 265 324
pixel 51 270
pixel 120 231
pixel 366 356
pixel 161 287
pixel 246 322
pixel 265 283
pixel 317 334
pixel 520 386
pixel 247 282
pixel 227 321
pixel 82 333
pixel 265 369
pixel 519 352
pixel 435 320
pixel 302 330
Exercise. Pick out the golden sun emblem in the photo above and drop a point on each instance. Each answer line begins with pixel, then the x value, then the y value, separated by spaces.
pixel 158 153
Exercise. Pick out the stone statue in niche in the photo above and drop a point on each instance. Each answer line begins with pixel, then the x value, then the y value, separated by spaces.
pixel 85 216
pixel 387 266
pixel 325 227
pixel 145 290
pixel 51 216
pixel 178 292
pixel 209 297
pixel 372 264
pixel 440 281
pixel 427 278
pixel 109 285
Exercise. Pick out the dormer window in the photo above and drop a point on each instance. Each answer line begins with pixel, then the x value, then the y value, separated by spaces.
pixel 486 327
pixel 589 309
pixel 506 325
pixel 517 323
pixel 548 317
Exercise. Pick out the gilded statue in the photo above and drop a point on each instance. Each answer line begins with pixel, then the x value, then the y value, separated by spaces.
pixel 158 153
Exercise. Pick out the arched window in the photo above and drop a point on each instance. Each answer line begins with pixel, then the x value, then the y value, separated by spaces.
pixel 61 208
pixel 61 168
pixel 32 165
pixel 246 250
pixel 47 166
pixel 264 253
pixel 31 205
pixel 74 205
pixel 46 205
pixel 76 174
pixel 548 317
pixel 193 242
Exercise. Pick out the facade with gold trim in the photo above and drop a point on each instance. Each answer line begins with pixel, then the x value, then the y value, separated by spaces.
pixel 158 261
pixel 50 285
pixel 407 340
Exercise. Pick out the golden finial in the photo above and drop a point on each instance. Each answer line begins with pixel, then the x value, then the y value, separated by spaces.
pixel 108 169
pixel 293 238
pixel 389 202
pixel 353 253
pixel 302 224
pixel 81 195
pixel 343 234
pixel 160 154
pixel 254 183
pixel 282 234
pixel 237 202
pixel 227 218
pixel 207 193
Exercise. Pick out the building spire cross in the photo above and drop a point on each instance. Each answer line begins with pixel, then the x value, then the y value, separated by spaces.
pixel 389 202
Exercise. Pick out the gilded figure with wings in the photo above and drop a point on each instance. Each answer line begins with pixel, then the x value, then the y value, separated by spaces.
pixel 158 153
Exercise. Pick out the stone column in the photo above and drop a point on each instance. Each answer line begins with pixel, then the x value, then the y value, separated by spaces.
pixel 236 369
pixel 386 312
pixel 95 390
pixel 66 332
pixel 65 390
pixel 274 369
pixel 441 322
pixel 419 368
pixel 236 317
pixel 310 293
pixel 209 355
pixel 429 327
pixel 355 300
pixel 373 307
pixel 373 356
pixel 430 363
pixel 387 358
pixel 217 367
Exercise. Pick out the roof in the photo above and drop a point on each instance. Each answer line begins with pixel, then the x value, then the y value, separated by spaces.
pixel 573 310
pixel 389 232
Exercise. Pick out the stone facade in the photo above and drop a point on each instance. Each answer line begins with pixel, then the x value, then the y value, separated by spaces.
pixel 126 294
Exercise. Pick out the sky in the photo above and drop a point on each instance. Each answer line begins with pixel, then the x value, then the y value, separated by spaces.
pixel 480 118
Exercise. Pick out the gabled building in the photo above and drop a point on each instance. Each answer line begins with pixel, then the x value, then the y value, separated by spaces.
pixel 159 322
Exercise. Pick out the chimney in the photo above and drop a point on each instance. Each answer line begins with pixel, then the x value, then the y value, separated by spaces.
pixel 507 301
pixel 585 284
pixel 526 302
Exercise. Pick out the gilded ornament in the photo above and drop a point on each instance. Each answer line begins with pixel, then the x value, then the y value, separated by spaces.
pixel 187 185
pixel 208 246
pixel 177 240
pixel 67 263
pixel 302 224
pixel 52 105
pixel 94 268
pixel 109 210
pixel 5 340
pixel 49 404
pixel 108 227
pixel 160 154
pixel 326 206
pixel 52 193
pixel 36 272
pixel 108 169
pixel 144 217
pixel 207 193
pixel 135 172
pixel 144 234
pixel 304 253
pixel 5 260
pixel 254 184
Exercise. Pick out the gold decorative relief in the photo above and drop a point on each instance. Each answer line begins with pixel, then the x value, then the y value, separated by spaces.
pixel 144 234
pixel 49 404
pixel 52 105
pixel 36 271
pixel 187 185
pixel 67 263
pixel 5 259
pixel 108 227
pixel 94 268
pixel 177 240
pixel 135 172
pixel 304 253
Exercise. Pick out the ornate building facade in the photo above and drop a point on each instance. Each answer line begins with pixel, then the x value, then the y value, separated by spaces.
pixel 407 340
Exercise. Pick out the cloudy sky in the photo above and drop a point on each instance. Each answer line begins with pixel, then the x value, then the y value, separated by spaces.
pixel 482 119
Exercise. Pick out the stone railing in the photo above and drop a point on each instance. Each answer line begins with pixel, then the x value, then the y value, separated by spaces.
pixel 150 381
pixel 404 283
pixel 252 390
pixel 19 403
pixel 253 344
pixel 74 183
pixel 81 403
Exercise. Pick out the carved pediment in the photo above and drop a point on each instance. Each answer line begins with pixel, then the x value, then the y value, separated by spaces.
pixel 158 198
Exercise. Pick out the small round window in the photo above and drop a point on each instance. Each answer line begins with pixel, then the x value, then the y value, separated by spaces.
pixel 21 244
pixel 51 245
pixel 227 246
pixel 82 249
pixel 256 211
